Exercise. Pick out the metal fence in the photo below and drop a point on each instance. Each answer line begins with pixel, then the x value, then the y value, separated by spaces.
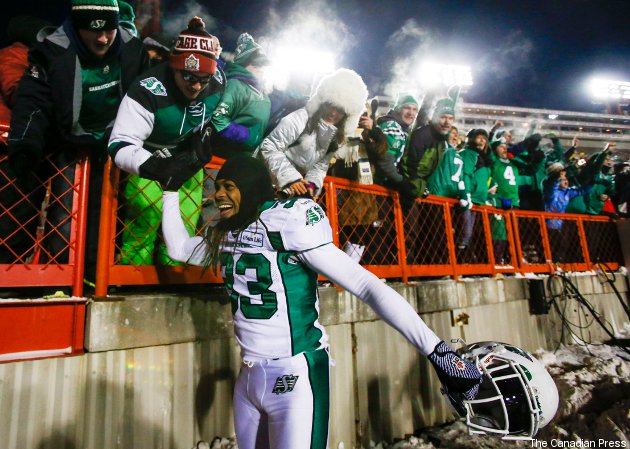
pixel 43 225
pixel 433 238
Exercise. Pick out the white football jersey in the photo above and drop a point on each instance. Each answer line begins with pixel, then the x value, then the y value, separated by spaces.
pixel 275 301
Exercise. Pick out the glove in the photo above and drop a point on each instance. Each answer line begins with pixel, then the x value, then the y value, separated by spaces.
pixel 506 203
pixel 465 204
pixel 460 378
pixel 199 143
pixel 172 171
pixel 426 193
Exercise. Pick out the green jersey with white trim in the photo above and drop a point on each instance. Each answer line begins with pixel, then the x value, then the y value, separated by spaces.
pixel 275 301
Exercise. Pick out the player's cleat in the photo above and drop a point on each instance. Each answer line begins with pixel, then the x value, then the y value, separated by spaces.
pixel 460 378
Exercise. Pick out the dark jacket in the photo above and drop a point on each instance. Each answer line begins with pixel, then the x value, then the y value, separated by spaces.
pixel 49 95
pixel 424 153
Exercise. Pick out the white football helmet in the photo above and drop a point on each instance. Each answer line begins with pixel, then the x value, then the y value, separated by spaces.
pixel 517 396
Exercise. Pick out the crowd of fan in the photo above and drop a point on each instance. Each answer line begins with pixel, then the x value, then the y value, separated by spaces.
pixel 160 108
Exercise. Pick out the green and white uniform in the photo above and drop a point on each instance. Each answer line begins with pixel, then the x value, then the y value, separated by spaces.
pixel 270 271
pixel 155 116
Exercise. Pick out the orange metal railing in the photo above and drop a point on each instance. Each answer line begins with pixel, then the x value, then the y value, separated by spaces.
pixel 367 220
pixel 42 228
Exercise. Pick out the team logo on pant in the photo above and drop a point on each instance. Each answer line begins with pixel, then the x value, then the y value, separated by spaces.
pixel 285 384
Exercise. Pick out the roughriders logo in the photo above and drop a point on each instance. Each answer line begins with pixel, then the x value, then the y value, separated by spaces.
pixel 314 215
pixel 192 63
pixel 459 364
pixel 97 24
pixel 285 384
pixel 154 86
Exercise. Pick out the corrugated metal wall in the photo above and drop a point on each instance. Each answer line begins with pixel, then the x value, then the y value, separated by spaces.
pixel 170 396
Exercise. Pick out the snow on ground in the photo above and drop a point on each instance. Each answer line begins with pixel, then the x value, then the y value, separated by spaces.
pixel 594 386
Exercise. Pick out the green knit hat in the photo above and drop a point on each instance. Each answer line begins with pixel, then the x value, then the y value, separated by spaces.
pixel 95 15
pixel 249 52
pixel 404 99
pixel 447 104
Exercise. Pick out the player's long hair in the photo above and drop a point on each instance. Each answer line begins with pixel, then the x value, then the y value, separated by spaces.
pixel 254 183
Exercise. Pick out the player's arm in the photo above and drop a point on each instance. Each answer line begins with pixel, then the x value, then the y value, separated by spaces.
pixel 337 266
pixel 180 246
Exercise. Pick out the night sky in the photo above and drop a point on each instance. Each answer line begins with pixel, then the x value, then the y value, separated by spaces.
pixel 530 53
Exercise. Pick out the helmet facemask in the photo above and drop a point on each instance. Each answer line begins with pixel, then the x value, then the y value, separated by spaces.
pixel 509 404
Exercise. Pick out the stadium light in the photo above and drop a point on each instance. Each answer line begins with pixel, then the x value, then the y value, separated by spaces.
pixel 301 64
pixel 431 74
pixel 607 90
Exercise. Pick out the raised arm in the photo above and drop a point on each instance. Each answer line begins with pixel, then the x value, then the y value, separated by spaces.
pixel 180 246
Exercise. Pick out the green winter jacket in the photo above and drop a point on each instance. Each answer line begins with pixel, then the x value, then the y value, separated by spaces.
pixel 505 175
pixel 590 203
pixel 242 115
pixel 448 178
pixel 476 176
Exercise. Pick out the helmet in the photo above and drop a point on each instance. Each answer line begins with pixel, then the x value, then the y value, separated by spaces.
pixel 517 396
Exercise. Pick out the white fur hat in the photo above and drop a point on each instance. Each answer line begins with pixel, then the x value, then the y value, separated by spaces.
pixel 344 89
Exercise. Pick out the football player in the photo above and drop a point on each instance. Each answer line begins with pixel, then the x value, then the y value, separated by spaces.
pixel 270 253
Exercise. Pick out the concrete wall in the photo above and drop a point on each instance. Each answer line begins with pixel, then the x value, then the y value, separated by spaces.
pixel 161 368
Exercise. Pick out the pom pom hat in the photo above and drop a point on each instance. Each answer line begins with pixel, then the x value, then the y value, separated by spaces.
pixel 248 51
pixel 345 90
pixel 196 50
pixel 447 104
pixel 95 15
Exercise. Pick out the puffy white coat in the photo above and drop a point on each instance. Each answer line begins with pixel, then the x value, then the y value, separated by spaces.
pixel 290 154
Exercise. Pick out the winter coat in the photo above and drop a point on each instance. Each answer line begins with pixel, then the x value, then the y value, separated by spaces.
pixel 448 178
pixel 291 153
pixel 557 200
pixel 155 114
pixel 424 154
pixel 13 63
pixel 590 202
pixel 397 134
pixel 477 174
pixel 506 176
pixel 242 116
pixel 49 104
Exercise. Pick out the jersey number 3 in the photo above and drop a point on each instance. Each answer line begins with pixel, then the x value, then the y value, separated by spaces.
pixel 267 305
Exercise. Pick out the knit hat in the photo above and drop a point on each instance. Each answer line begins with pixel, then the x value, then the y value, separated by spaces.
pixel 345 90
pixel 473 133
pixel 554 167
pixel 254 183
pixel 447 104
pixel 495 143
pixel 196 50
pixel 402 100
pixel 249 52
pixel 96 15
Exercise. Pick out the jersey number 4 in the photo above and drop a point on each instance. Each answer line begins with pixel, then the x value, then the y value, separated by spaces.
pixel 267 305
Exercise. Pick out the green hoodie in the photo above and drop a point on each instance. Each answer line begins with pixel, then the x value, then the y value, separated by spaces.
pixel 242 116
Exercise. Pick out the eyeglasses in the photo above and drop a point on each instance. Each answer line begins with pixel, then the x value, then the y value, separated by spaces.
pixel 192 79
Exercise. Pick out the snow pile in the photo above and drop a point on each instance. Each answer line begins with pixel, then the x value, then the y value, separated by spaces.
pixel 594 386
